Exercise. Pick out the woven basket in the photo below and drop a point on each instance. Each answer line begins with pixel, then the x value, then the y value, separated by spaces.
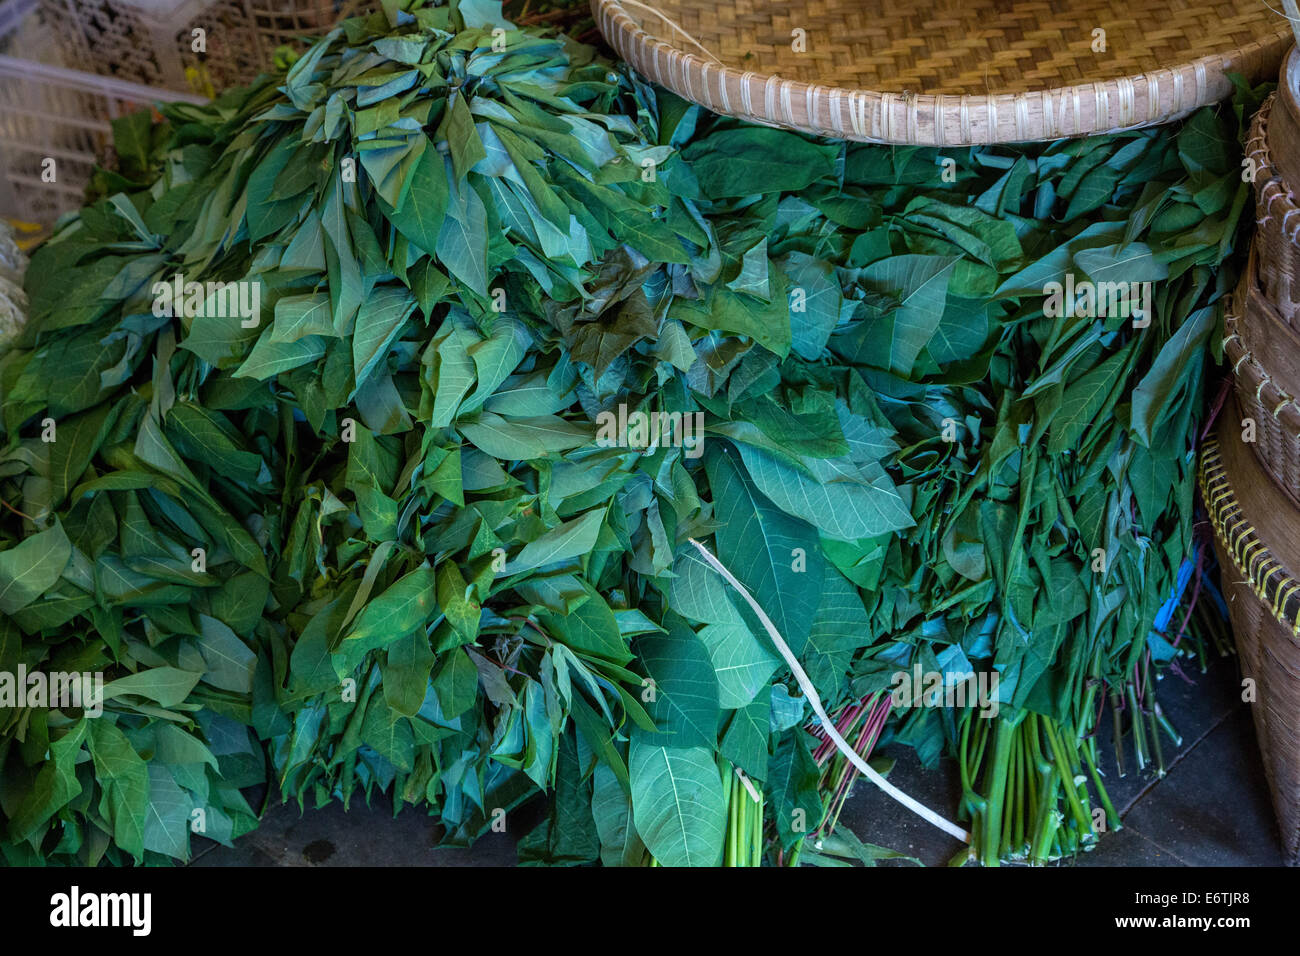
pixel 1277 214
pixel 947 73
pixel 1264 354
pixel 1257 539
pixel 1285 135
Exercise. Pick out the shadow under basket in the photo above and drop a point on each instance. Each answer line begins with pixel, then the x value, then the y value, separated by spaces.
pixel 1257 541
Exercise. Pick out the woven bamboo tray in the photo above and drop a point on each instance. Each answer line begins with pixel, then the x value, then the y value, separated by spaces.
pixel 1264 354
pixel 948 72
pixel 1257 539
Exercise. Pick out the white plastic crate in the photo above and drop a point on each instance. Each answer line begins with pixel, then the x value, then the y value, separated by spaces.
pixel 153 41
pixel 68 67
pixel 51 112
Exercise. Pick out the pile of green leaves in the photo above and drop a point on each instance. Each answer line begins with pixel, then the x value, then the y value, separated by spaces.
pixel 420 571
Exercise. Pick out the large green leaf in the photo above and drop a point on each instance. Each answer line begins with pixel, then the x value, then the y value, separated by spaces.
pixel 32 567
pixel 918 284
pixel 462 240
pixel 841 499
pixel 775 556
pixel 677 802
pixel 124 776
pixel 745 743
pixel 683 698
pixel 167 686
pixel 611 807
pixel 167 815
pixel 792 788
pixel 741 664
pixel 420 218
pixel 379 322
pixel 561 543
pixel 749 160
pixel 840 628
pixel 406 605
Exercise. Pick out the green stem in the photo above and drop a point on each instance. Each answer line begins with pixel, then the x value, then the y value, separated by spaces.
pixel 1139 732
pixel 963 762
pixel 1111 816
pixel 748 809
pixel 1155 741
pixel 1031 765
pixel 1045 817
pixel 982 736
pixel 975 804
pixel 1018 767
pixel 1117 734
pixel 1169 728
pixel 728 791
pixel 1081 816
pixel 1004 734
pixel 1009 803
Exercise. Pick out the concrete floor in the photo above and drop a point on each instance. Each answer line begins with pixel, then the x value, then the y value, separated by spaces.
pixel 1211 809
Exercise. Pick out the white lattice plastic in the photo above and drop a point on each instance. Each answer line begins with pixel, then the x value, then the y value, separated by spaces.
pixel 153 41
pixel 55 122
pixel 69 67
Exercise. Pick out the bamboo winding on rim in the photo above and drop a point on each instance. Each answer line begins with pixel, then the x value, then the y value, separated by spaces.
pixel 943 72
pixel 1264 603
pixel 1277 217
pixel 1267 577
pixel 1266 396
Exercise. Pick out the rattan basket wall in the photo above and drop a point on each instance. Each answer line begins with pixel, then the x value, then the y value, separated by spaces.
pixel 1277 215
pixel 1263 352
pixel 1257 534
pixel 948 72
pixel 1285 135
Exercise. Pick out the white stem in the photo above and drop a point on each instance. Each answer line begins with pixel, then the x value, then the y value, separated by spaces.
pixel 1293 15
pixel 748 786
pixel 672 23
pixel 811 693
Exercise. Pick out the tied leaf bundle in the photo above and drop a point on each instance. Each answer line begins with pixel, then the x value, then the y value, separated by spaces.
pixel 402 500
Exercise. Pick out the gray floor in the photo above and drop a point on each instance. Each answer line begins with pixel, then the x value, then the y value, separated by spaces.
pixel 1211 809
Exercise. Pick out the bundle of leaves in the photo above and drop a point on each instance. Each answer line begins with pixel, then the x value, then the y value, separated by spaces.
pixel 384 535
pixel 1033 514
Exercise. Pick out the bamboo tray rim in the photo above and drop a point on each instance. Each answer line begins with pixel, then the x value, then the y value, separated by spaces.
pixel 1118 103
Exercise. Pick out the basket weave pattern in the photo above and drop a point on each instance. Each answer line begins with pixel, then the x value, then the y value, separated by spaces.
pixel 1264 604
pixel 944 72
pixel 1277 217
pixel 1266 395
pixel 1268 578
